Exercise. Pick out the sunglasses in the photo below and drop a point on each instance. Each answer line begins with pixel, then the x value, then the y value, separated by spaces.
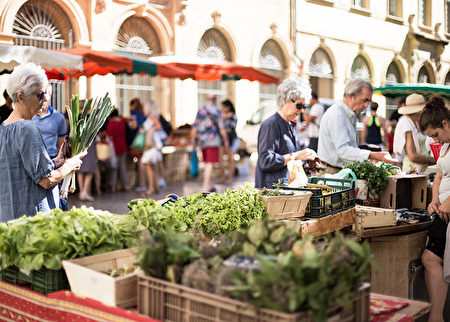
pixel 41 95
pixel 299 106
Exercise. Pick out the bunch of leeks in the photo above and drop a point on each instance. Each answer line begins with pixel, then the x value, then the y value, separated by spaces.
pixel 83 129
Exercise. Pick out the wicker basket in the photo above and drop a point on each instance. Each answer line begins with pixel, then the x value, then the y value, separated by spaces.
pixel 287 206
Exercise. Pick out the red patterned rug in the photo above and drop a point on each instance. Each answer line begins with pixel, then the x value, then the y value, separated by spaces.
pixel 20 304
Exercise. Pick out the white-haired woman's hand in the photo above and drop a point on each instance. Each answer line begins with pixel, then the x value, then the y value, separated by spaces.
pixel 306 154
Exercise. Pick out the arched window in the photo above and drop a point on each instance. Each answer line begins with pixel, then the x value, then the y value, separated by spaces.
pixel 271 61
pixel 424 75
pixel 393 75
pixel 137 36
pixel 447 79
pixel 321 74
pixel 213 45
pixel 43 24
pixel 360 69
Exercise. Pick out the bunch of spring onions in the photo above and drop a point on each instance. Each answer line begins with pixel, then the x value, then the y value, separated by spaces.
pixel 83 129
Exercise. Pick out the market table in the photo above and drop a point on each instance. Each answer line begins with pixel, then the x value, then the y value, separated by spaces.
pixel 395 249
pixel 18 303
pixel 415 309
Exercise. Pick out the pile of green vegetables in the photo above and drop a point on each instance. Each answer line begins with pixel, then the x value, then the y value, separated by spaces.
pixel 48 238
pixel 295 274
pixel 84 127
pixel 213 214
pixel 375 176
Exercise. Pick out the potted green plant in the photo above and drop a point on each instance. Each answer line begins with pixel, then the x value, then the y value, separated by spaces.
pixel 375 177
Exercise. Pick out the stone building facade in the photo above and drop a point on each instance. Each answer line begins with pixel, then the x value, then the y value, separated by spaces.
pixel 330 41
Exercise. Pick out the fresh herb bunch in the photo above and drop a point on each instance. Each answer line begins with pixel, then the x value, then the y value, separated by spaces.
pixel 376 177
pixel 218 213
pixel 83 129
pixel 153 216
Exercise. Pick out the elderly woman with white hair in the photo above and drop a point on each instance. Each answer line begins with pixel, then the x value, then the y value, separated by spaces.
pixel 27 174
pixel 277 138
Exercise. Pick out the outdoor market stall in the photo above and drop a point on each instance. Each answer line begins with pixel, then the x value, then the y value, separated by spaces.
pixel 214 256
pixel 163 292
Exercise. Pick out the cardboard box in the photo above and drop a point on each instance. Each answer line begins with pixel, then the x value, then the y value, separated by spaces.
pixel 371 217
pixel 87 278
pixel 405 191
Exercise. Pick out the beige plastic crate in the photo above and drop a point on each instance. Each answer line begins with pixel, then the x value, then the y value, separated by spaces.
pixel 86 278
pixel 167 301
pixel 371 217
pixel 287 206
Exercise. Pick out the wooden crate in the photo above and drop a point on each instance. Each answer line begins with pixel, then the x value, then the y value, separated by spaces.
pixel 287 206
pixel 371 217
pixel 87 279
pixel 321 226
pixel 167 301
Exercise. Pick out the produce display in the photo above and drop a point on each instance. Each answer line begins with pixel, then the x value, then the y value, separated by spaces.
pixel 375 176
pixel 292 275
pixel 218 213
pixel 46 239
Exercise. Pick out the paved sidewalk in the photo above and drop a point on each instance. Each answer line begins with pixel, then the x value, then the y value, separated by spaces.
pixel 117 202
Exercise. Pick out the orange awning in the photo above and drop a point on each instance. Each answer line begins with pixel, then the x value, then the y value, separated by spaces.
pixel 98 63
pixel 207 70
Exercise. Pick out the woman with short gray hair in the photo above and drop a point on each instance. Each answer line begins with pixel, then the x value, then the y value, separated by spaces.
pixel 277 138
pixel 27 173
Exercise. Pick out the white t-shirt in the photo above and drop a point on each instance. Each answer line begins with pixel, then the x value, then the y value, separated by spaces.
pixel 317 110
pixel 443 165
pixel 405 124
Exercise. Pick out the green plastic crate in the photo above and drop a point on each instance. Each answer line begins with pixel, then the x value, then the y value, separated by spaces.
pixel 321 205
pixel 43 281
pixel 10 274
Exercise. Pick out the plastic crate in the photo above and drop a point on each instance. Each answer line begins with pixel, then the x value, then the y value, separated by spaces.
pixel 43 281
pixel 167 301
pixel 321 205
pixel 10 274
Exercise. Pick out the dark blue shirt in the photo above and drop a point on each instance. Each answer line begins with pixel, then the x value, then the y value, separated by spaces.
pixel 276 138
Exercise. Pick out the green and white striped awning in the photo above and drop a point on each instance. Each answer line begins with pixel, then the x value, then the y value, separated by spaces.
pixel 397 90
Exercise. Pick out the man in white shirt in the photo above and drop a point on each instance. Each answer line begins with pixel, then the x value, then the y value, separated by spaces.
pixel 313 120
pixel 338 140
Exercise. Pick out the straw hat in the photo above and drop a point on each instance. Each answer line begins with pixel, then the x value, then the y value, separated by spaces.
pixel 414 103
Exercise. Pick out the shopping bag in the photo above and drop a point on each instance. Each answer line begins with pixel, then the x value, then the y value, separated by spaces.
pixel 103 151
pixel 194 164
pixel 139 142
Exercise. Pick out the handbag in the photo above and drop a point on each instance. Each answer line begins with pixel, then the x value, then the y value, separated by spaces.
pixel 103 151
pixel 194 164
pixel 139 142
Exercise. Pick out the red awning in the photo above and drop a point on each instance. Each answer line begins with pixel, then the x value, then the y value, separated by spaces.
pixel 98 63
pixel 204 69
